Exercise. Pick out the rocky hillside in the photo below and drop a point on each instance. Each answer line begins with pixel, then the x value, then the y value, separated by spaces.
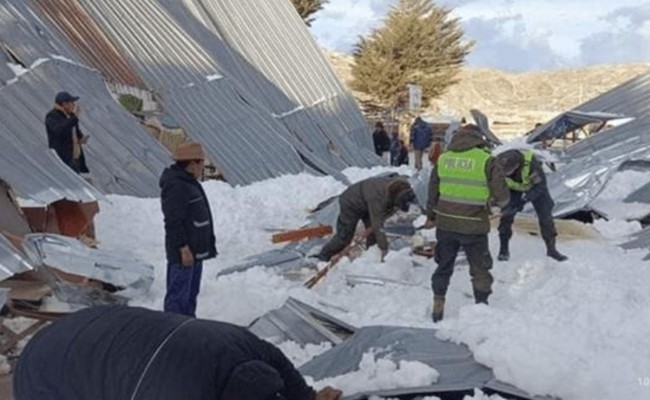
pixel 515 102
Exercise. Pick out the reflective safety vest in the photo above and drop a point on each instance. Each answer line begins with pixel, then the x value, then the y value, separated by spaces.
pixel 462 177
pixel 526 183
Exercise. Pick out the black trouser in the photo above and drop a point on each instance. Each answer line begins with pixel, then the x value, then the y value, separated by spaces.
pixel 543 205
pixel 478 254
pixel 346 226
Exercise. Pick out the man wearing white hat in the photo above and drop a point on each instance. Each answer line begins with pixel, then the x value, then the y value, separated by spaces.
pixel 189 231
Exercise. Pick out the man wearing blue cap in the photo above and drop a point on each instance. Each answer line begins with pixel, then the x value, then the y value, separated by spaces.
pixel 63 133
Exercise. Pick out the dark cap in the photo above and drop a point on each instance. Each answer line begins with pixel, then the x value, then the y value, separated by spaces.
pixel 65 97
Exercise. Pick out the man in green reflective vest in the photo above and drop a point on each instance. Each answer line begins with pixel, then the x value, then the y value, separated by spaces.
pixel 527 182
pixel 463 186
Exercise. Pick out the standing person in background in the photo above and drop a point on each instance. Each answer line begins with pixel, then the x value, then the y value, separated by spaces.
pixel 63 133
pixel 421 137
pixel 380 140
pixel 403 155
pixel 395 147
pixel 189 231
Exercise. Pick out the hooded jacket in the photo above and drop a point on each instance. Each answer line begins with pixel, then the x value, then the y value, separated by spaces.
pixel 128 353
pixel 513 161
pixel 499 193
pixel 376 199
pixel 188 220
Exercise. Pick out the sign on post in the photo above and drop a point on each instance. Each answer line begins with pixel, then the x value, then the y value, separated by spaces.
pixel 415 97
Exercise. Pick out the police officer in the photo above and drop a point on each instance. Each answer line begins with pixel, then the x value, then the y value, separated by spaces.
pixel 465 182
pixel 527 182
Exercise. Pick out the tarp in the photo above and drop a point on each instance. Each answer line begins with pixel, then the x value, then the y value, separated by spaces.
pixel 459 372
pixel 569 122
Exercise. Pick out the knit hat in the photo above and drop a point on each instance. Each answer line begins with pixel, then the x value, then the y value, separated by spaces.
pixel 253 380
pixel 189 151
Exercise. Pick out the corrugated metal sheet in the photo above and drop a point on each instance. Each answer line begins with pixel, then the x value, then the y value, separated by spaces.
pixel 271 36
pixel 25 35
pixel 248 148
pixel 178 66
pixel 122 156
pixel 88 40
pixel 12 262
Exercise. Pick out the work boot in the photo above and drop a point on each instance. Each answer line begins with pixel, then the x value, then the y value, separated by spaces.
pixel 552 252
pixel 438 308
pixel 481 297
pixel 504 254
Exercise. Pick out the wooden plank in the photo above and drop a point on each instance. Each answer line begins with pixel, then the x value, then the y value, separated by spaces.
pixel 300 234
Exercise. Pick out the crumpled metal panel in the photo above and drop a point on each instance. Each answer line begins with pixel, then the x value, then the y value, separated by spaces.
pixel 4 296
pixel 455 363
pixel 12 262
pixel 73 257
pixel 483 124
pixel 567 122
pixel 301 323
pixel 25 35
pixel 122 156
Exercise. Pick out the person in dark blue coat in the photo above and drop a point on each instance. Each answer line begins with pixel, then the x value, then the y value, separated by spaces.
pixel 63 133
pixel 127 353
pixel 189 230
pixel 421 137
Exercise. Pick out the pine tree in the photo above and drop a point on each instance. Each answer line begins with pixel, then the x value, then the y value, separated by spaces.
pixel 306 8
pixel 418 43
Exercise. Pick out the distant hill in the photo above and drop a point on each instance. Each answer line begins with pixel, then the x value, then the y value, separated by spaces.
pixel 515 102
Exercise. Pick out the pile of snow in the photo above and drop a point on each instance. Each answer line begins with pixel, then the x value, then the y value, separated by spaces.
pixel 578 329
pixel 301 354
pixel 621 185
pixel 5 367
pixel 381 374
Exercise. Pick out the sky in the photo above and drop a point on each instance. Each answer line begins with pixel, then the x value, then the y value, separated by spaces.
pixel 516 35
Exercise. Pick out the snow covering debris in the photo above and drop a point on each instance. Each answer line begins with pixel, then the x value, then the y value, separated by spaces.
pixel 381 374
pixel 578 330
pixel 299 354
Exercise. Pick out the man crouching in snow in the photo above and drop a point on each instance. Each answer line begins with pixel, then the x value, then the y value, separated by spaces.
pixel 372 201
pixel 189 233
pixel 125 353
pixel 463 185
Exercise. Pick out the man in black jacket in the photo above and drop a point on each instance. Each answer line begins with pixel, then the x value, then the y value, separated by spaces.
pixel 380 139
pixel 527 183
pixel 118 352
pixel 189 231
pixel 63 133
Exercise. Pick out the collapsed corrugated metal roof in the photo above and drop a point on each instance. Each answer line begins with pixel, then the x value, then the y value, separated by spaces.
pixel 88 40
pixel 25 38
pixel 590 163
pixel 301 323
pixel 132 278
pixel 483 124
pixel 176 45
pixel 568 122
pixel 122 156
pixel 273 38
pixel 459 372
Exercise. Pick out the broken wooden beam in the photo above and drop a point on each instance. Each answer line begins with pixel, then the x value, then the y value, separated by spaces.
pixel 303 233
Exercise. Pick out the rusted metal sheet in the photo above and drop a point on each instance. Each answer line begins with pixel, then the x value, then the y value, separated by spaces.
pixel 85 36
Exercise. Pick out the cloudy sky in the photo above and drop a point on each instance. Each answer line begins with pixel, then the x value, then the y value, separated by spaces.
pixel 517 35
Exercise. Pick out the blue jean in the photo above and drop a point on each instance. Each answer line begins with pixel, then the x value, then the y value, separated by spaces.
pixel 183 284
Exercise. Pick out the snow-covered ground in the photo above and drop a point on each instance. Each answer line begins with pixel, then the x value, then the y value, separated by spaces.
pixel 577 330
